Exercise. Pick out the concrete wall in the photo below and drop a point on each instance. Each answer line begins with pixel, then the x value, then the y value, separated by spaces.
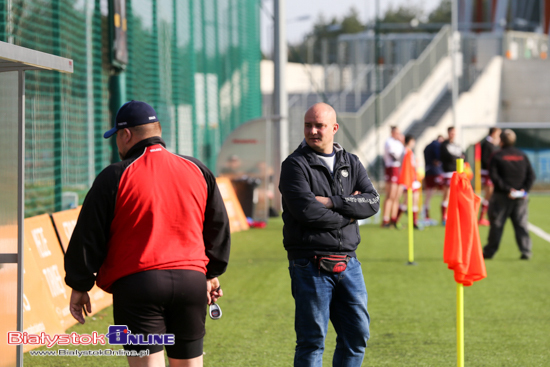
pixel 525 91
pixel 300 78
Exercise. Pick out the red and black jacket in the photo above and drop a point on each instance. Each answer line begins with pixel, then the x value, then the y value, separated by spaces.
pixel 153 210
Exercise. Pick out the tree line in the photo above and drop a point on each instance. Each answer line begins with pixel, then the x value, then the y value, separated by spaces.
pixel 403 18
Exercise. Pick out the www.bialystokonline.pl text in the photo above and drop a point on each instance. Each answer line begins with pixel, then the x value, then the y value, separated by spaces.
pixel 89 353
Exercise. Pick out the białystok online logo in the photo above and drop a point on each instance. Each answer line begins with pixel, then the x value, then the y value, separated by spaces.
pixel 120 335
pixel 116 335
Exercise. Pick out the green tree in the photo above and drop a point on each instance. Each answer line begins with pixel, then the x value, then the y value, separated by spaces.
pixel 400 19
pixel 329 30
pixel 351 23
pixel 402 14
pixel 441 14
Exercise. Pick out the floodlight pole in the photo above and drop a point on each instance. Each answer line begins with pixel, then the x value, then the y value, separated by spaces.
pixel 117 79
pixel 280 97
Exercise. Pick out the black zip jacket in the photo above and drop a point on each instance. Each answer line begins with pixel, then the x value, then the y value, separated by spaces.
pixel 510 169
pixel 310 228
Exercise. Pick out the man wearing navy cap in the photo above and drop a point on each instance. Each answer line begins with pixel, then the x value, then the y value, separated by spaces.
pixel 153 231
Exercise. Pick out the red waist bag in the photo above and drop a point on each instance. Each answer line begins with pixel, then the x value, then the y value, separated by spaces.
pixel 333 263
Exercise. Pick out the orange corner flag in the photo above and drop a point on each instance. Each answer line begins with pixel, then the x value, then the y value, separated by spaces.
pixel 407 174
pixel 462 252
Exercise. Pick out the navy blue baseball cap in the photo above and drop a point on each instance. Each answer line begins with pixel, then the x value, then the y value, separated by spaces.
pixel 132 114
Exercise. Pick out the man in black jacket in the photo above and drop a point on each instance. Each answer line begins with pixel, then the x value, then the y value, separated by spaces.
pixel 325 190
pixel 488 147
pixel 513 176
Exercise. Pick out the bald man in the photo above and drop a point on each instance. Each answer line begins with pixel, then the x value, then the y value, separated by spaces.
pixel 325 190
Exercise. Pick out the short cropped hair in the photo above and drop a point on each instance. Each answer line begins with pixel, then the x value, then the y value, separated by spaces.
pixel 393 127
pixel 493 130
pixel 508 137
pixel 408 138
pixel 147 129
pixel 450 128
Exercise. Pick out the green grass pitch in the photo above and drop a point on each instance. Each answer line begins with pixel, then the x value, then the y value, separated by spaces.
pixel 412 308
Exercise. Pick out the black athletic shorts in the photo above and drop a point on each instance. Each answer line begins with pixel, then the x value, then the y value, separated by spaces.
pixel 163 302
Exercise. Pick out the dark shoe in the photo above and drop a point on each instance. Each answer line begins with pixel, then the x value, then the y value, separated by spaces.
pixel 487 257
pixel 524 257
pixel 397 225
pixel 386 225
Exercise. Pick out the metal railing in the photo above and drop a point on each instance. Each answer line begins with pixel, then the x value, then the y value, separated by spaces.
pixel 363 82
pixel 355 126
pixel 338 101
pixel 414 74
pixel 359 82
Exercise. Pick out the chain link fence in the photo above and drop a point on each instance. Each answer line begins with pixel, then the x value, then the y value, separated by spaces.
pixel 196 62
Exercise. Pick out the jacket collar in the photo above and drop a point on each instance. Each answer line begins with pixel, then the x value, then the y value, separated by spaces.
pixel 508 148
pixel 139 146
pixel 313 158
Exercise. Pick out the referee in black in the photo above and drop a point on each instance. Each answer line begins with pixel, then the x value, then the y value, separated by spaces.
pixel 513 176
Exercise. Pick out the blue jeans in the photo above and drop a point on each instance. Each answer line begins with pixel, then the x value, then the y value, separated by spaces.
pixel 321 296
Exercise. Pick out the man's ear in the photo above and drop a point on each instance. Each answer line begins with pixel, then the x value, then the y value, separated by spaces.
pixel 335 127
pixel 127 136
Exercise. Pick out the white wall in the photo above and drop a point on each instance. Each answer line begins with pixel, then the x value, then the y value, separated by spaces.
pixel 525 91
pixel 300 78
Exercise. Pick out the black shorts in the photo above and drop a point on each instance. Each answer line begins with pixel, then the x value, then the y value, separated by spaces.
pixel 163 302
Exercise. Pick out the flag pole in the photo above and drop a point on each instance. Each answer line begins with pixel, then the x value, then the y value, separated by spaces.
pixel 477 155
pixel 460 302
pixel 460 324
pixel 411 226
pixel 420 205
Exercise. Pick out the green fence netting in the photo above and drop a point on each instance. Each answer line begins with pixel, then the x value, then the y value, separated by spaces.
pixel 195 61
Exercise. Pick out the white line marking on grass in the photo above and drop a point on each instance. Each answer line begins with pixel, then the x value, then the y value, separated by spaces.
pixel 539 232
